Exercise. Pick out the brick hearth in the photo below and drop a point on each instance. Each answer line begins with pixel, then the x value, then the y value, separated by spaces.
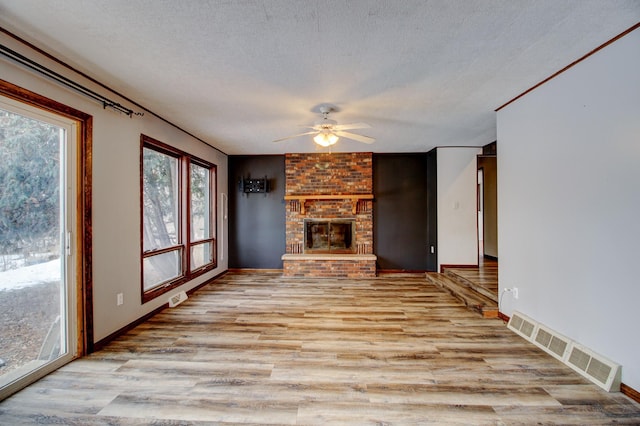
pixel 339 174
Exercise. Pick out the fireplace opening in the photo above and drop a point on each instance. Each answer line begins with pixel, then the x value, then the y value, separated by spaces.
pixel 329 236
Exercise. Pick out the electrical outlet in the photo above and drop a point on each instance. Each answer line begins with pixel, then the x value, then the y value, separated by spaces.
pixel 119 299
pixel 515 292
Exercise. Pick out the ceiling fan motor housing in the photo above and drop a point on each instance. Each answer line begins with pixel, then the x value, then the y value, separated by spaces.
pixel 326 123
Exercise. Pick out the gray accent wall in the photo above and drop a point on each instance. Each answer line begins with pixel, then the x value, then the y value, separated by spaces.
pixel 256 221
pixel 404 217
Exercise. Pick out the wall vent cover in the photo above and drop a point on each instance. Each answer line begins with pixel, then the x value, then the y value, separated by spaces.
pixel 177 299
pixel 550 341
pixel 558 346
pixel 579 359
pixel 594 367
pixel 522 325
pixel 543 337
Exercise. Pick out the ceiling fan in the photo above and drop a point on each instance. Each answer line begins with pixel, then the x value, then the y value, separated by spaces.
pixel 327 131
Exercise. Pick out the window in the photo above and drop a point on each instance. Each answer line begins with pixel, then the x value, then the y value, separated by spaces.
pixel 178 227
pixel 201 241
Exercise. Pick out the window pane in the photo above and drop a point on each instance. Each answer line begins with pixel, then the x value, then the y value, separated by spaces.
pixel 201 255
pixel 160 200
pixel 161 268
pixel 200 203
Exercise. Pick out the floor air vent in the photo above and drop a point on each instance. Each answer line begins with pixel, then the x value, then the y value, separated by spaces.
pixel 177 299
pixel 552 342
pixel 522 325
pixel 594 367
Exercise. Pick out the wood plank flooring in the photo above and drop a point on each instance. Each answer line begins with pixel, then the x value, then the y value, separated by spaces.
pixel 466 293
pixel 483 279
pixel 262 349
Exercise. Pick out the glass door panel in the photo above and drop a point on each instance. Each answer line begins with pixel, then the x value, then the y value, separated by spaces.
pixel 36 284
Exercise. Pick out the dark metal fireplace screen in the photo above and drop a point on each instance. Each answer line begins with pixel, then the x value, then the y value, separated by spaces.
pixel 329 236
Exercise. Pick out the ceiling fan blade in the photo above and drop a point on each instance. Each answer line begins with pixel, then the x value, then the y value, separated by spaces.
pixel 295 136
pixel 355 137
pixel 351 126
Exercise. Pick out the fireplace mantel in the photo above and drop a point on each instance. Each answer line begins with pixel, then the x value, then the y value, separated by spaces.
pixel 302 199
pixel 329 256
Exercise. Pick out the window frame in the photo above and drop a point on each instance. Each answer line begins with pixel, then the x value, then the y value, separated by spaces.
pixel 211 239
pixel 184 243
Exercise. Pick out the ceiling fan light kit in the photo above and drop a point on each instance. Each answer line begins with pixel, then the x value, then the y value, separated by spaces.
pixel 325 138
pixel 327 132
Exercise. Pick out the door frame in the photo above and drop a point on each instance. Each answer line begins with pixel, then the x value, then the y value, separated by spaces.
pixel 480 210
pixel 83 236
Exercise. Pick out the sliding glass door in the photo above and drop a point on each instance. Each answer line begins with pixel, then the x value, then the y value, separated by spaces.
pixel 38 296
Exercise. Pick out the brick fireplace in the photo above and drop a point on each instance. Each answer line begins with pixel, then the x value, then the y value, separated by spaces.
pixel 329 189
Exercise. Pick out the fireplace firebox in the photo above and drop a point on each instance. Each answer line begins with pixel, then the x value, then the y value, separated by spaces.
pixel 329 236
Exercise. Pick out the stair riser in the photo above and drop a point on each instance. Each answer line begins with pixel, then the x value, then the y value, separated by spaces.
pixel 472 285
pixel 487 310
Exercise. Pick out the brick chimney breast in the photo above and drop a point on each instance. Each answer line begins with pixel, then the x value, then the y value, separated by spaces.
pixel 325 175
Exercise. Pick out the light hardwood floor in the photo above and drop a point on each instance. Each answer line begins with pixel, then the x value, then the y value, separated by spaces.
pixel 262 349
pixel 484 279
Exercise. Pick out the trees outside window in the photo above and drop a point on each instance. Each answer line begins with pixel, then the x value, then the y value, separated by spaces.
pixel 178 224
pixel 29 190
pixel 201 238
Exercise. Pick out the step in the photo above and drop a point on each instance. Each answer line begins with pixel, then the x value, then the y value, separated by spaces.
pixel 473 300
pixel 452 273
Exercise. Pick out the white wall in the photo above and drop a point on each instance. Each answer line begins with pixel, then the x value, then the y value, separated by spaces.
pixel 116 192
pixel 569 203
pixel 457 206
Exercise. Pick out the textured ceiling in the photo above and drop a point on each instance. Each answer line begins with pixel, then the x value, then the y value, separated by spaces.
pixel 239 74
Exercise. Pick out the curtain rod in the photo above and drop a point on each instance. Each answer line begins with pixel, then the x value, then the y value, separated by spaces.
pixel 58 78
